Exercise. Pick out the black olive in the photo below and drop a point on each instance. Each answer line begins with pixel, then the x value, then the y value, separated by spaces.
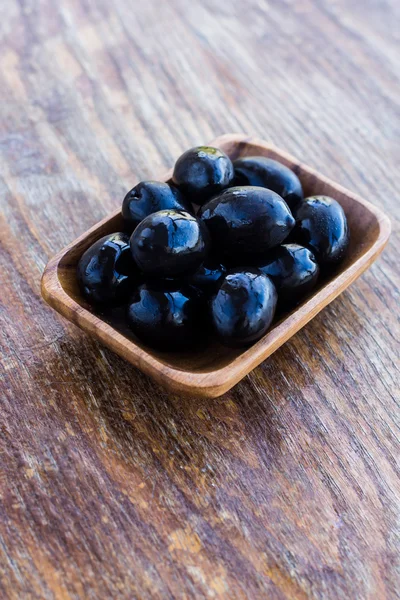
pixel 169 243
pixel 202 172
pixel 208 276
pixel 245 221
pixel 322 226
pixel 167 315
pixel 266 172
pixel 293 269
pixel 106 271
pixel 148 197
pixel 243 308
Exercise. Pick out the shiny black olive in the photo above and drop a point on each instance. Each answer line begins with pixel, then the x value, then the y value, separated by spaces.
pixel 208 276
pixel 245 221
pixel 293 269
pixel 322 226
pixel 169 243
pixel 243 308
pixel 148 197
pixel 106 271
pixel 266 172
pixel 167 316
pixel 202 172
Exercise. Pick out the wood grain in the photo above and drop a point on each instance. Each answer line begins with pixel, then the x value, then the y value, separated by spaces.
pixel 215 370
pixel 288 486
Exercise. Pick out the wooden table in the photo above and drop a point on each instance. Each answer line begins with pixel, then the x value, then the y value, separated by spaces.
pixel 285 488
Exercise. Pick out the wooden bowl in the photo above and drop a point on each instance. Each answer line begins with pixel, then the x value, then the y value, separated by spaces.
pixel 215 370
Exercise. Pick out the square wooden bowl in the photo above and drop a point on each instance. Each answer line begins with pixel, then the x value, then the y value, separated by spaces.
pixel 215 370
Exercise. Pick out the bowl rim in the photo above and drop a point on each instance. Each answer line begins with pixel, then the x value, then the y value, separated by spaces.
pixel 218 381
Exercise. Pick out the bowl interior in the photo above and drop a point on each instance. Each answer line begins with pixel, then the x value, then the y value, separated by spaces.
pixel 364 230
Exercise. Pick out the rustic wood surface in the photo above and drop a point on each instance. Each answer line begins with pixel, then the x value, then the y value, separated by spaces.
pixel 285 488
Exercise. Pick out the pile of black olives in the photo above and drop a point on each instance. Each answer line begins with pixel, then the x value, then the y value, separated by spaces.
pixel 218 250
